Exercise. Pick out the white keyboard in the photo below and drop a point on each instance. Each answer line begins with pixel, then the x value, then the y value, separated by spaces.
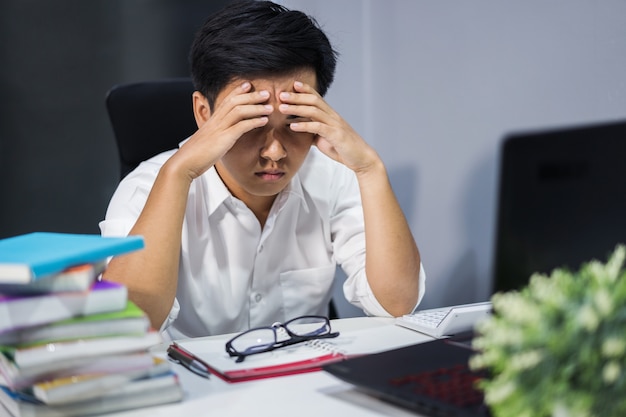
pixel 446 321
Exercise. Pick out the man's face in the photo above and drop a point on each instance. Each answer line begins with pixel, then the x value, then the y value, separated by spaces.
pixel 263 161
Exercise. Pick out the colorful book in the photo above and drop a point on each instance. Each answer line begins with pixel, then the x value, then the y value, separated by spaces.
pixel 17 379
pixel 90 385
pixel 75 278
pixel 24 311
pixel 27 258
pixel 58 352
pixel 163 389
pixel 129 321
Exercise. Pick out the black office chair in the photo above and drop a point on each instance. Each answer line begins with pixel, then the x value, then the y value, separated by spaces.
pixel 152 117
pixel 149 117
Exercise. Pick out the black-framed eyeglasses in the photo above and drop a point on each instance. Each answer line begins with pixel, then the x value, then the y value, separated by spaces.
pixel 265 339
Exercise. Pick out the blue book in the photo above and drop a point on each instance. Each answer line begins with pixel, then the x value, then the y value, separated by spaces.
pixel 27 258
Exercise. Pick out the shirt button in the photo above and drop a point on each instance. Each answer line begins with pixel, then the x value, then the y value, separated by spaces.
pixel 258 298
pixel 260 248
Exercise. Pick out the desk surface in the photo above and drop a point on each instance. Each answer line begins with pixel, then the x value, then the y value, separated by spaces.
pixel 310 394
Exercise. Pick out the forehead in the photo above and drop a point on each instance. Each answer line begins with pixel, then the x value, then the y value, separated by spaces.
pixel 273 83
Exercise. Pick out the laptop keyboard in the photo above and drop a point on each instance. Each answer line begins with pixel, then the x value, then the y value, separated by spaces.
pixel 455 385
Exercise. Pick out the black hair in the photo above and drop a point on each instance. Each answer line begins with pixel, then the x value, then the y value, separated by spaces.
pixel 256 38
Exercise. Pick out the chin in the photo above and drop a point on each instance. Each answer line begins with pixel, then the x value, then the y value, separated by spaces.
pixel 269 190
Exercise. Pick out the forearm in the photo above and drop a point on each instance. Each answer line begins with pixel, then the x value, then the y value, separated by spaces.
pixel 392 257
pixel 151 274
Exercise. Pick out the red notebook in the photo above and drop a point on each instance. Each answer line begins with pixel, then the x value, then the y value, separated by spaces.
pixel 299 358
pixel 303 357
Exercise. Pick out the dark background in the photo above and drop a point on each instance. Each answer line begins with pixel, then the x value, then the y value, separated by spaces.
pixel 58 159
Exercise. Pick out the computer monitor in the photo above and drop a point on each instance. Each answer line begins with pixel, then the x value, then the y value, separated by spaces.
pixel 561 201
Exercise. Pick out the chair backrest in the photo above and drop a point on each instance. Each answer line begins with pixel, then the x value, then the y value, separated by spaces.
pixel 149 118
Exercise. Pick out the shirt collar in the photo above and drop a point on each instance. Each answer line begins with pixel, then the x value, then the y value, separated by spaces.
pixel 216 192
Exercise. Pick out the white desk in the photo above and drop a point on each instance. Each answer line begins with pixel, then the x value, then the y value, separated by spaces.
pixel 316 394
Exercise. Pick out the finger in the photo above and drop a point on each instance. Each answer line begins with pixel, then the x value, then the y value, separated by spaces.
pixel 250 111
pixel 316 128
pixel 240 104
pixel 243 96
pixel 310 105
pixel 246 125
pixel 304 111
pixel 301 87
pixel 302 98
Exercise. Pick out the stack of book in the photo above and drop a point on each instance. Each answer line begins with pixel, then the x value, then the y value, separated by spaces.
pixel 70 343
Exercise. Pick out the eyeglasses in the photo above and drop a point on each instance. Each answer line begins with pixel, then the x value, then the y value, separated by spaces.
pixel 265 339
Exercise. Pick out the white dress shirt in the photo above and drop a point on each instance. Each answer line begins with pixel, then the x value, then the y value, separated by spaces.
pixel 235 275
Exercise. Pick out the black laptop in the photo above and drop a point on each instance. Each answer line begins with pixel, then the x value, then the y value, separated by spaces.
pixel 431 378
pixel 561 200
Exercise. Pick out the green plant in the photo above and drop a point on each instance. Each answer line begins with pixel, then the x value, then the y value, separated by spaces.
pixel 558 346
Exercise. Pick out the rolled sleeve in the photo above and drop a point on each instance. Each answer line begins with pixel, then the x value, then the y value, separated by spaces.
pixel 359 293
pixel 167 324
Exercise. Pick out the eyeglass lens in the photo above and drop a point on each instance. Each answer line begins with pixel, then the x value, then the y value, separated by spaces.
pixel 255 341
pixel 308 326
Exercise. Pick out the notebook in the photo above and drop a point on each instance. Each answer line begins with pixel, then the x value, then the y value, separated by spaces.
pixel 432 378
pixel 298 358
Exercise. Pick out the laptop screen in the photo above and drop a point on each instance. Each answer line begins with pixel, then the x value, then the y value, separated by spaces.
pixel 562 200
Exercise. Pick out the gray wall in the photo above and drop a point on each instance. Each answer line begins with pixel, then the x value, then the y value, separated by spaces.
pixel 435 85
pixel 58 160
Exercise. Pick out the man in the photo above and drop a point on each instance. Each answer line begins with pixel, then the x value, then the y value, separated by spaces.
pixel 245 223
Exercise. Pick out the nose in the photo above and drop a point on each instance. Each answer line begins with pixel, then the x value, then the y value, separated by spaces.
pixel 273 149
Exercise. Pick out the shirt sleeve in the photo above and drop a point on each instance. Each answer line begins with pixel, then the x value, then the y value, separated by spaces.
pixel 348 236
pixel 359 294
pixel 128 200
pixel 126 205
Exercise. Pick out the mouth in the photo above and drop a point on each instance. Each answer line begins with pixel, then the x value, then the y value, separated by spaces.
pixel 270 176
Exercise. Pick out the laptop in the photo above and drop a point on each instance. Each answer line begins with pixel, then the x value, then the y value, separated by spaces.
pixel 561 200
pixel 431 378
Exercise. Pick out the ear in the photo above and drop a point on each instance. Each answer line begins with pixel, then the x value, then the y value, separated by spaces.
pixel 201 108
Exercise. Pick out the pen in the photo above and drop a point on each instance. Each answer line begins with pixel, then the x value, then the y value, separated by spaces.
pixel 187 361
